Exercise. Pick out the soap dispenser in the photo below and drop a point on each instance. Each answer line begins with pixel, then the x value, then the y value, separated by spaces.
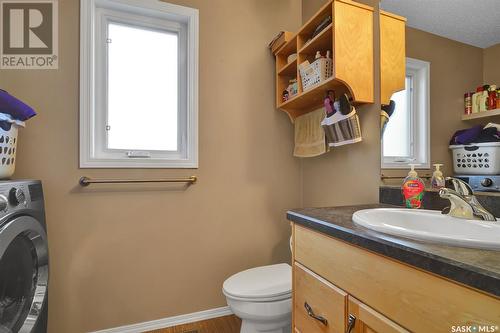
pixel 437 180
pixel 413 189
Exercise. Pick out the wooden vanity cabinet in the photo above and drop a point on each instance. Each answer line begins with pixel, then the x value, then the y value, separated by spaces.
pixel 339 280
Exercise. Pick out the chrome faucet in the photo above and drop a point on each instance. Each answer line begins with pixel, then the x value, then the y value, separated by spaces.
pixel 463 202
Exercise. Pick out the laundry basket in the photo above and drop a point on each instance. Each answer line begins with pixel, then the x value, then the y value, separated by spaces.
pixel 312 74
pixel 476 158
pixel 8 143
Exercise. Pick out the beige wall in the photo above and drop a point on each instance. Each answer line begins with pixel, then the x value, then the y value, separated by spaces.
pixel 122 255
pixel 491 69
pixel 350 174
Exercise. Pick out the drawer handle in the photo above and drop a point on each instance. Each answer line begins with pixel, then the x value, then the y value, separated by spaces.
pixel 311 314
pixel 350 323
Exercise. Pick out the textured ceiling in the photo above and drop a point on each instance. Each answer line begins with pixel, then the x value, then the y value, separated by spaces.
pixel 474 22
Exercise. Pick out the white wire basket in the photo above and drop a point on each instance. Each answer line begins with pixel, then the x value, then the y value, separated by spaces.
pixel 8 144
pixel 320 70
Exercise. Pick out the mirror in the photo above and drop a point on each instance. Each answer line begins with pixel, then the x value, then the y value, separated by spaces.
pixel 451 52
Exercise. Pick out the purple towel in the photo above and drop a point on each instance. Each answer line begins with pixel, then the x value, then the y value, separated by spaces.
pixel 13 106
pixel 466 136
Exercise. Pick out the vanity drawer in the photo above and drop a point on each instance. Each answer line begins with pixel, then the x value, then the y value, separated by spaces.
pixel 364 319
pixel 323 300
pixel 416 300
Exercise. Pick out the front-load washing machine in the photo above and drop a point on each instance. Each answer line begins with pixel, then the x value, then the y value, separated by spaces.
pixel 24 259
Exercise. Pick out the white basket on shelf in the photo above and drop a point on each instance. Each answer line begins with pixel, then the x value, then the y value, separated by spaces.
pixel 312 74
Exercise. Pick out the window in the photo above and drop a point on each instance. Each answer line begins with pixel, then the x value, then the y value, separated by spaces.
pixel 138 89
pixel 407 136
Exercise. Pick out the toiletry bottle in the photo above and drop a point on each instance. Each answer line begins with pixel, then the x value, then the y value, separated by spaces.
pixel 498 99
pixel 468 103
pixel 483 101
pixel 492 97
pixel 475 99
pixel 437 180
pixel 413 189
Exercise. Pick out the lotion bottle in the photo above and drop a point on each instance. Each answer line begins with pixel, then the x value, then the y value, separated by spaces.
pixel 413 189
pixel 437 180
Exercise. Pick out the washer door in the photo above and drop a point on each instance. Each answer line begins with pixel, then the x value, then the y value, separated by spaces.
pixel 24 269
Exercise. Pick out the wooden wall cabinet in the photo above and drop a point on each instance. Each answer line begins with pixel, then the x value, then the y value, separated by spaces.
pixel 357 291
pixel 349 38
pixel 392 55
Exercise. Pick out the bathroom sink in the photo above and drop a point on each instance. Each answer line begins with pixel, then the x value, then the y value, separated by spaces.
pixel 431 226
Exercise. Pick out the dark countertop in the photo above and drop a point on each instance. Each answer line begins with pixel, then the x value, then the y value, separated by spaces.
pixel 477 268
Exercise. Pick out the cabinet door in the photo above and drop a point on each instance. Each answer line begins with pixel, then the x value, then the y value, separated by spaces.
pixel 392 55
pixel 363 319
pixel 319 306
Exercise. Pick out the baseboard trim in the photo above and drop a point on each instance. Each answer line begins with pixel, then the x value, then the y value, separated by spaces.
pixel 170 321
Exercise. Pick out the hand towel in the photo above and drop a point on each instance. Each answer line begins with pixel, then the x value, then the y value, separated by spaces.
pixel 309 135
pixel 15 107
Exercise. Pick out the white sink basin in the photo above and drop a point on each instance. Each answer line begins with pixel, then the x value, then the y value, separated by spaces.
pixel 431 226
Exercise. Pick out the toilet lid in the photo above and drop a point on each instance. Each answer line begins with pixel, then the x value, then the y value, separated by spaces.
pixel 260 282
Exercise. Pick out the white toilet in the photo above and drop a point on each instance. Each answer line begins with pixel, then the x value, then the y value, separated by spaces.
pixel 262 298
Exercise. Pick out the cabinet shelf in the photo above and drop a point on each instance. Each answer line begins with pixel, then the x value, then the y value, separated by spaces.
pixel 308 28
pixel 480 115
pixel 321 42
pixel 289 47
pixel 309 100
pixel 289 69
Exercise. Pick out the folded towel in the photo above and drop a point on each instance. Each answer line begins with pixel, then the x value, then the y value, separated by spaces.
pixel 309 135
pixel 476 134
pixel 15 107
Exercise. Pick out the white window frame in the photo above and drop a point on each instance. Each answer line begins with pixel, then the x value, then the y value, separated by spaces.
pixel 150 14
pixel 419 98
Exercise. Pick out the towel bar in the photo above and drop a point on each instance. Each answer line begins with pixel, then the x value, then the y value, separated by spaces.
pixel 401 177
pixel 86 181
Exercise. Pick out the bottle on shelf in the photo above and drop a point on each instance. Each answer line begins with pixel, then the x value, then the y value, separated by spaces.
pixel 468 102
pixel 498 99
pixel 483 101
pixel 492 97
pixel 475 99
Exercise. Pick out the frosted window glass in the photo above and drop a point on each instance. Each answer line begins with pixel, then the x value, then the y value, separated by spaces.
pixel 397 136
pixel 142 89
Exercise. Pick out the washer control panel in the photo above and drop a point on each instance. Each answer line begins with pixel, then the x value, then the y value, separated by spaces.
pixel 485 183
pixel 17 197
pixel 13 197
